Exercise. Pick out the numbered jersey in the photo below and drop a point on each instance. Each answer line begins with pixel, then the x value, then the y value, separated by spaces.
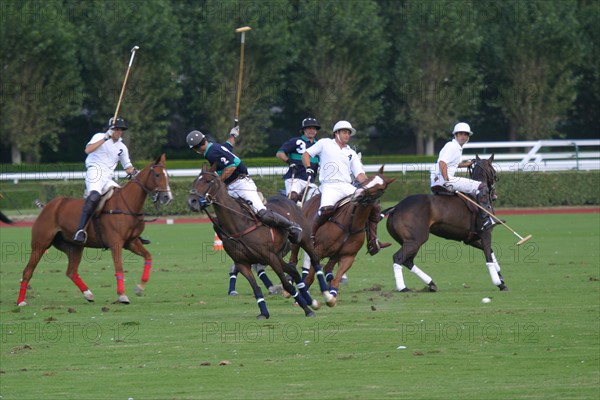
pixel 294 148
pixel 221 156
pixel 108 155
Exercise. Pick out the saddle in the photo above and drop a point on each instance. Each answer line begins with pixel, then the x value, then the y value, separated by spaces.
pixel 442 191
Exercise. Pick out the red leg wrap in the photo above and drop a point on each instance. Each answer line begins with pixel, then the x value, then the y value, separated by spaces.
pixel 22 292
pixel 120 284
pixel 80 284
pixel 147 268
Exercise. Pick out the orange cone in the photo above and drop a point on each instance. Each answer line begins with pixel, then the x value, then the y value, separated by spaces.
pixel 217 243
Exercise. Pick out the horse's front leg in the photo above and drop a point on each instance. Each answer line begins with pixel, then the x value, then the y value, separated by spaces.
pixel 246 270
pixel 345 263
pixel 279 266
pixel 136 247
pixel 117 254
pixel 485 244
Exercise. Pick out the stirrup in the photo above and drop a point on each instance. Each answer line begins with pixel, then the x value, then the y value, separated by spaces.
pixel 488 223
pixel 80 236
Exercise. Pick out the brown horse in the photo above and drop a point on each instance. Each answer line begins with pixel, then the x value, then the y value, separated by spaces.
pixel 342 236
pixel 118 225
pixel 247 241
pixel 445 215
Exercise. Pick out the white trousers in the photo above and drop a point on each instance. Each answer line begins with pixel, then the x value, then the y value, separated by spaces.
pixel 245 188
pixel 331 193
pixel 459 184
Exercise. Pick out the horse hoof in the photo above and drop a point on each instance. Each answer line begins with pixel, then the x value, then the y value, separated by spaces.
pixel 88 296
pixel 332 301
pixel 286 294
pixel 123 299
pixel 275 289
pixel 405 290
pixel 233 293
pixel 315 305
pixel 311 314
pixel 433 287
pixel 22 304
pixel 503 288
pixel 139 291
pixel 262 316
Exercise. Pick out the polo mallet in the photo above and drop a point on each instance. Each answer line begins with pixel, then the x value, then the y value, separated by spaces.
pixel 522 239
pixel 133 50
pixel 305 192
pixel 289 196
pixel 243 31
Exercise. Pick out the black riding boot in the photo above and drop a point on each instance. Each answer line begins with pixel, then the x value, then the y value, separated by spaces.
pixel 321 217
pixel 273 219
pixel 373 244
pixel 91 202
pixel 483 198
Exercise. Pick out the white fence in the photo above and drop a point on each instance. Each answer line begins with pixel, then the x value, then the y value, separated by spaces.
pixel 536 156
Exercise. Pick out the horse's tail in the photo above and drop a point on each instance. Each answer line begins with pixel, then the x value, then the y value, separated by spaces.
pixel 5 219
pixel 388 211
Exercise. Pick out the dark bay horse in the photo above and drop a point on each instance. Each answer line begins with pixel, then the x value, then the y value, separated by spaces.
pixel 118 225
pixel 247 241
pixel 342 236
pixel 445 215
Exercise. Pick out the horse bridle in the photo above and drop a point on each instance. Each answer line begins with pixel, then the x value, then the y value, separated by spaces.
pixel 490 178
pixel 157 191
pixel 366 196
pixel 206 199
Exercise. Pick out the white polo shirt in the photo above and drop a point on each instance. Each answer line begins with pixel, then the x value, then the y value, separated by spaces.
pixel 101 163
pixel 336 165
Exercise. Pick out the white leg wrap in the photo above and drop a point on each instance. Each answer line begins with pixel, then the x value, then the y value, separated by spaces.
pixel 424 277
pixel 494 273
pixel 305 260
pixel 495 262
pixel 399 277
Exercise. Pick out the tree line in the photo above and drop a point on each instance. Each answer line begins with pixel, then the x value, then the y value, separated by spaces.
pixel 403 72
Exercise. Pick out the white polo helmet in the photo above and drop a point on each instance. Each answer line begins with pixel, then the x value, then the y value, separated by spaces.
pixel 462 127
pixel 344 125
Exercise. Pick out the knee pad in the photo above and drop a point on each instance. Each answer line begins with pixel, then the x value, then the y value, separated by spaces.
pixel 94 196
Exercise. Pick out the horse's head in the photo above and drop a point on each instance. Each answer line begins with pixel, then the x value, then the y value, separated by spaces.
pixel 483 171
pixel 154 179
pixel 204 190
pixel 372 189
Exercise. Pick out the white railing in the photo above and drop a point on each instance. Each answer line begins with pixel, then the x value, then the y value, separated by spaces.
pixel 583 155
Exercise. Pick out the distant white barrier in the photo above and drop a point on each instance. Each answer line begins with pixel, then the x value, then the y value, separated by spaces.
pixel 580 155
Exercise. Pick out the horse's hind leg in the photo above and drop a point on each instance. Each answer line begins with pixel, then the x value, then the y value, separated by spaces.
pixel 74 254
pixel 260 299
pixel 136 247
pixel 40 242
pixel 37 251
pixel 405 256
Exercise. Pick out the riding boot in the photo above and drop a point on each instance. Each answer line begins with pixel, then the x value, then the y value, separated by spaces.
pixel 273 219
pixel 321 217
pixel 373 244
pixel 483 198
pixel 91 202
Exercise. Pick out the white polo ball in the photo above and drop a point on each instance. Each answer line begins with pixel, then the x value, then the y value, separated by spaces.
pixel 486 300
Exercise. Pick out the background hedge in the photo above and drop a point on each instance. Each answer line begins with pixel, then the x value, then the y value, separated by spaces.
pixel 515 189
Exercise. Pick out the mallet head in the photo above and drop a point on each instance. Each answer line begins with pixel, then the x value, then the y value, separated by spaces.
pixel 135 48
pixel 243 29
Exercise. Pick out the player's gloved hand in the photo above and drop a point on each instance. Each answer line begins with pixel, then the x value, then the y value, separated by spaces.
pixel 235 131
pixel 311 174
pixel 292 164
pixel 108 134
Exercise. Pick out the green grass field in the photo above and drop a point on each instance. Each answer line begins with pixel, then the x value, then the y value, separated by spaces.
pixel 186 339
